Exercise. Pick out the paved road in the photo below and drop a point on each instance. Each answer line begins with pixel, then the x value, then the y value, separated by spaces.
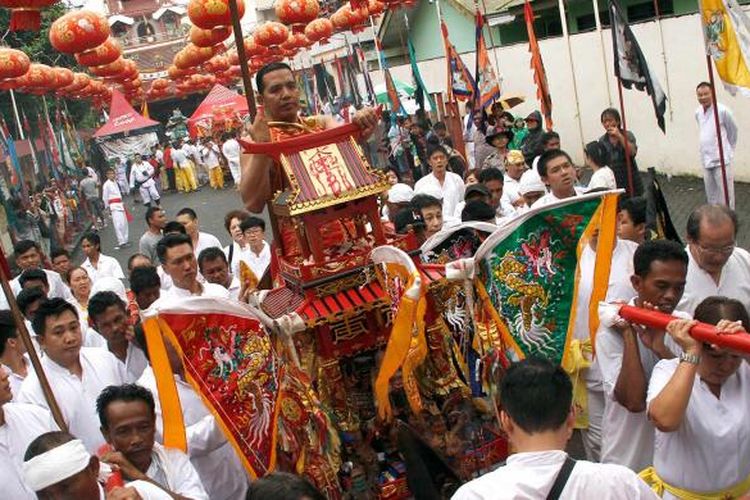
pixel 209 204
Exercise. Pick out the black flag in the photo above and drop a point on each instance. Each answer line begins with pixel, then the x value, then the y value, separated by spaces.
pixel 631 66
pixel 658 221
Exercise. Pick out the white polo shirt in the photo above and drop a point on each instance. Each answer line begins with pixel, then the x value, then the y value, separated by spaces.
pixel 107 267
pixel 734 281
pixel 452 189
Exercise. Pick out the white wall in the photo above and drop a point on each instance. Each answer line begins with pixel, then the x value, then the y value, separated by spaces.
pixel 673 153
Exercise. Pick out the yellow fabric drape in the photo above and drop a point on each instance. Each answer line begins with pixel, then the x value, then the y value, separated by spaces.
pixel 578 358
pixel 604 249
pixel 173 423
pixel 657 484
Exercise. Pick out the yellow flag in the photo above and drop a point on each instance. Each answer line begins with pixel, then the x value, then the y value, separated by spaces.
pixel 726 31
pixel 144 110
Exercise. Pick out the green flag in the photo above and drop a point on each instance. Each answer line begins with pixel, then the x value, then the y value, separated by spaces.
pixel 421 91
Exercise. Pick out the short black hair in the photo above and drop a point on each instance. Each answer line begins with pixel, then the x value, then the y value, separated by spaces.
pixel 170 241
pixel 58 252
pixel 151 211
pixel 93 238
pixel 142 278
pixel 172 227
pixel 23 246
pixel 715 308
pixel 187 211
pixel 598 153
pixel 477 210
pixel 715 215
pixel 439 126
pixel 635 207
pixel 657 250
pixel 704 84
pixel 50 308
pixel 46 442
pixel 491 174
pixel 124 392
pixel 8 329
pixel 549 135
pixel 211 254
pixel 548 156
pixel 101 301
pixel 251 222
pixel 234 214
pixel 28 296
pixel 422 200
pixel 434 148
pixel 33 275
pixel 536 394
pixel 268 68
pixel 406 217
pixel 611 112
pixel 282 486
pixel 132 258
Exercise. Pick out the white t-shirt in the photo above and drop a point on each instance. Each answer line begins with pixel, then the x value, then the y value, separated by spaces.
pixel 452 190
pixel 57 288
pixel 551 198
pixel 208 290
pixel 258 262
pixel 530 476
pixel 711 449
pixel 510 189
pixel 172 469
pixel 107 267
pixel 231 150
pixel 602 178
pixel 205 240
pixel 734 281
pixel 77 396
pixel 23 424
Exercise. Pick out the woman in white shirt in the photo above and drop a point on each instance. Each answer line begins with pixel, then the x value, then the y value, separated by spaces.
pixel 699 404
pixel 232 222
pixel 597 158
pixel 80 286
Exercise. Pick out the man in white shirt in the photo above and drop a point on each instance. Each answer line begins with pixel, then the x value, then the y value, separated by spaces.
pixel 177 256
pixel 184 169
pixel 717 265
pixel 110 317
pixel 28 255
pixel 257 254
pixel 142 177
pixel 211 454
pixel 709 146
pixel 145 284
pixel 628 353
pixel 76 375
pixel 449 184
pixel 13 358
pixel 112 198
pixel 20 424
pixel 214 267
pixel 189 219
pixel 210 153
pixel 128 421
pixel 493 179
pixel 98 265
pixel 538 418
pixel 231 151
pixel 559 175
pixel 515 166
pixel 56 465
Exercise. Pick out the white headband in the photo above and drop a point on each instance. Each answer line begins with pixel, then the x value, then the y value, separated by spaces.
pixel 55 465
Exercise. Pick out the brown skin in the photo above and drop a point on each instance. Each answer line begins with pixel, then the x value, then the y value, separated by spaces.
pixel 495 188
pixel 182 267
pixel 13 359
pixel 62 340
pixel 157 222
pixel 660 289
pixel 627 230
pixel 31 259
pixel 522 441
pixel 5 393
pixel 433 219
pixel 235 232
pixel 147 297
pixel 37 284
pixel 714 246
pixel 140 261
pixel 439 164
pixel 254 239
pixel 113 324
pixel 561 177
pixel 532 197
pixel 703 94
pixel 615 135
pixel 81 486
pixel 216 271
pixel 91 251
pixel 515 170
pixel 62 265
pixel 80 285
pixel 190 225
pixel 280 100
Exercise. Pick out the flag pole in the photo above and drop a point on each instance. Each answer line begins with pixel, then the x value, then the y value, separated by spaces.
pixel 626 145
pixel 492 42
pixel 598 21
pixel 566 35
pixel 19 128
pixel 718 129
pixel 18 319
pixel 377 47
pixel 663 56
pixel 244 70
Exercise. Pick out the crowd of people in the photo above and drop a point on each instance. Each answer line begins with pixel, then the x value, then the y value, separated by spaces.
pixel 658 403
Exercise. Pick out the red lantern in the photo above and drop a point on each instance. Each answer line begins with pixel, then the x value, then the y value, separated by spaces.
pixel 295 42
pixel 63 77
pixel 39 76
pixel 271 35
pixel 192 56
pixel 105 53
pixel 80 81
pixel 208 14
pixel 253 49
pixel 297 13
pixel 13 63
pixel 25 15
pixel 209 38
pixel 176 73
pixel 78 31
pixel 319 30
pixel 375 7
pixel 160 83
pixel 129 72
pixel 216 64
pixel 347 18
pixel 112 69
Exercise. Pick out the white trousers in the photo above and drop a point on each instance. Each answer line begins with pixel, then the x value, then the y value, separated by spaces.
pixel 149 193
pixel 592 437
pixel 714 184
pixel 234 168
pixel 120 221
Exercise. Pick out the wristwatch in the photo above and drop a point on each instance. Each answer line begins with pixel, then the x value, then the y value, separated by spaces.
pixel 693 359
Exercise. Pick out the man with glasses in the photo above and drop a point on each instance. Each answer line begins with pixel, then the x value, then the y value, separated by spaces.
pixel 717 266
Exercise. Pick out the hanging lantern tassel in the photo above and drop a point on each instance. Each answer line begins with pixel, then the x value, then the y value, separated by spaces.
pixel 702 332
pixel 25 15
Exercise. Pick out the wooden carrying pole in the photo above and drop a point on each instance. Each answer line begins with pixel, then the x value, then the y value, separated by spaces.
pixel 626 145
pixel 239 41
pixel 718 129
pixel 26 339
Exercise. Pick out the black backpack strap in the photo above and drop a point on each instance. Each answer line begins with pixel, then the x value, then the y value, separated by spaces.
pixel 231 254
pixel 562 479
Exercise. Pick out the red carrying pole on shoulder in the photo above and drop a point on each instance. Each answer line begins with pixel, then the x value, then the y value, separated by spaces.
pixel 702 331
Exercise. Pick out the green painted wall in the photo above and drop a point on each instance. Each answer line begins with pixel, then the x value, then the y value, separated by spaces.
pixel 425 30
